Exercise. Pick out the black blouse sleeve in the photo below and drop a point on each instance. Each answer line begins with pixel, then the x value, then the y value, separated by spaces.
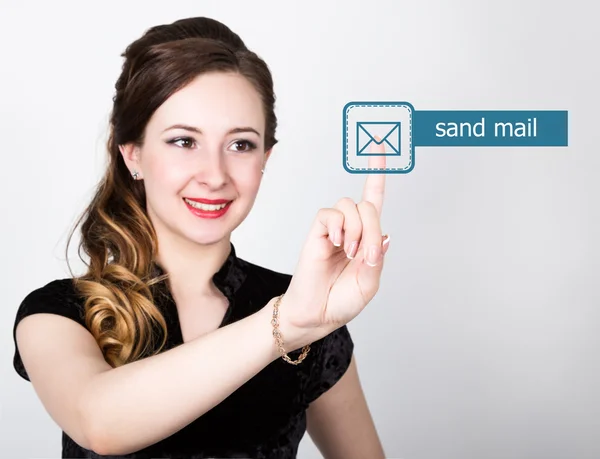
pixel 330 363
pixel 56 297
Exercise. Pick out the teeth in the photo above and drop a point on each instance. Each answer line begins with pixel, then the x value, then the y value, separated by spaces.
pixel 207 207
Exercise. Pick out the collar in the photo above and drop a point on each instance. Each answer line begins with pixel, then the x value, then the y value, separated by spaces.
pixel 228 279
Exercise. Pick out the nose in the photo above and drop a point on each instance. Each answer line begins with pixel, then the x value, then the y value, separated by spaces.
pixel 211 170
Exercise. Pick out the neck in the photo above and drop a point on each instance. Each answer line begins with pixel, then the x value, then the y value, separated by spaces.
pixel 191 266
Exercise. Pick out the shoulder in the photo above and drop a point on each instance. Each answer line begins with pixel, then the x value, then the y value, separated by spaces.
pixel 330 361
pixel 56 297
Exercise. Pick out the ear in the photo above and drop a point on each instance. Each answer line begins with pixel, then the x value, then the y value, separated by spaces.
pixel 267 154
pixel 131 156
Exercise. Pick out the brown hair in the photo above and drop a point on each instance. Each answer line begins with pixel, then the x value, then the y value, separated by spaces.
pixel 117 234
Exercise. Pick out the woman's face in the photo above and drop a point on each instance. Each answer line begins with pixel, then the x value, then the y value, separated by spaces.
pixel 205 143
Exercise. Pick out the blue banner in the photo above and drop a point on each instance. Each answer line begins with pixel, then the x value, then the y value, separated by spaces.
pixel 490 128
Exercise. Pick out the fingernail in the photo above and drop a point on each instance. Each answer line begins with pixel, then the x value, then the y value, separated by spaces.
pixel 352 250
pixel 337 238
pixel 385 244
pixel 372 256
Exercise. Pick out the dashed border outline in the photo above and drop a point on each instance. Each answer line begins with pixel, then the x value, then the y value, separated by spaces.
pixel 409 167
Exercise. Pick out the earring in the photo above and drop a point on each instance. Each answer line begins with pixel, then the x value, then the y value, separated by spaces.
pixel 262 171
pixel 135 175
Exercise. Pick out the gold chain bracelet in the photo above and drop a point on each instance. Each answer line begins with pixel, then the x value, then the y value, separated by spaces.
pixel 279 339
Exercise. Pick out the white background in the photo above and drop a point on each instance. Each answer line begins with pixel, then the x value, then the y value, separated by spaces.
pixel 483 340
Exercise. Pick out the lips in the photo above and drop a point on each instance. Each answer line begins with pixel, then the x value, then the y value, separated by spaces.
pixel 207 213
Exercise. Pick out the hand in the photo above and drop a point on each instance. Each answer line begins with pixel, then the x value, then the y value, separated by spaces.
pixel 329 289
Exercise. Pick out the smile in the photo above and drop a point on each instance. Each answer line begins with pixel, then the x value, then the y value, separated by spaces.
pixel 205 207
pixel 203 210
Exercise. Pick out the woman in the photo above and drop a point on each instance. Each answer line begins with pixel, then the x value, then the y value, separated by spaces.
pixel 170 345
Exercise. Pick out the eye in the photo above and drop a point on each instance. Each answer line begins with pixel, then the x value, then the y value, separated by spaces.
pixel 243 145
pixel 186 140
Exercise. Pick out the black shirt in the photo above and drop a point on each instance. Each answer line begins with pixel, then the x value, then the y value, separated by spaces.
pixel 265 417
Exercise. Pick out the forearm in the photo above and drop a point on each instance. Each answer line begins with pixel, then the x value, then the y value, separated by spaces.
pixel 133 406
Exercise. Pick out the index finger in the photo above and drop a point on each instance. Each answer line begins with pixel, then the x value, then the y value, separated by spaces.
pixel 374 189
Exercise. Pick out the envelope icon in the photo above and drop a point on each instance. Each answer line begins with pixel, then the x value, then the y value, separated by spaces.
pixel 387 131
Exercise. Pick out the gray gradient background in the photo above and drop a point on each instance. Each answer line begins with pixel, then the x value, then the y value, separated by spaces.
pixel 482 342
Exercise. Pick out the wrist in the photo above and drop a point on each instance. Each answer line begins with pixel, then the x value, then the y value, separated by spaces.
pixel 286 336
pixel 265 315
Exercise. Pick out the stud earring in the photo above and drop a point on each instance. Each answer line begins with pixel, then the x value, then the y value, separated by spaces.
pixel 262 171
pixel 135 175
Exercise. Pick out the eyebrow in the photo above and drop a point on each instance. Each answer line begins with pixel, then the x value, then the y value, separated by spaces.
pixel 198 131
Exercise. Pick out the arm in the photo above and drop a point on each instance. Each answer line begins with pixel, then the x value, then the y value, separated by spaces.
pixel 339 421
pixel 115 411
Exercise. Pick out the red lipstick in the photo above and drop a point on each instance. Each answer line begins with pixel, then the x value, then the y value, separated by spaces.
pixel 208 213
